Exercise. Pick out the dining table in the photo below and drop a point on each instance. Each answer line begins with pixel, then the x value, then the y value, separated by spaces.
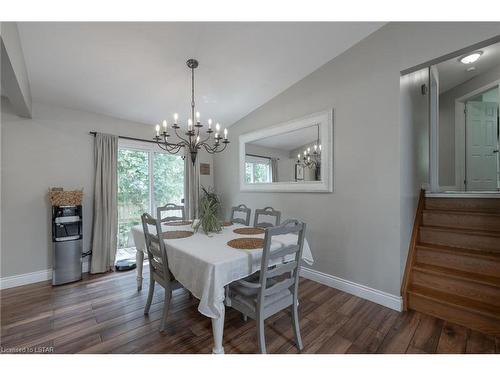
pixel 205 264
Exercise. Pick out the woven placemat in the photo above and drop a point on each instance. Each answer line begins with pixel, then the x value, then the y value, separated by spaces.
pixel 174 234
pixel 251 230
pixel 246 243
pixel 178 223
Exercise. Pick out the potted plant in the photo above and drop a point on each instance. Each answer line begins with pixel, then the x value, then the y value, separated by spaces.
pixel 208 211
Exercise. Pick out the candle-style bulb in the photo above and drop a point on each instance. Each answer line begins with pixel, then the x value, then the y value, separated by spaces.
pixel 176 117
pixel 209 123
pixel 298 156
pixel 198 116
pixel 157 127
pixel 216 136
pixel 320 147
pixel 165 125
pixel 315 147
pixel 225 133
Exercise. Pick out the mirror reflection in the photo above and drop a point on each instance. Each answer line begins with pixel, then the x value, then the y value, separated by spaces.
pixel 293 156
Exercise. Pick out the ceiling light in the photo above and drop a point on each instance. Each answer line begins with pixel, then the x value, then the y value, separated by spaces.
pixel 471 58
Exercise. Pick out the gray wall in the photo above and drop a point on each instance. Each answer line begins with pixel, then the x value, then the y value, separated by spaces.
pixel 355 233
pixel 414 136
pixel 447 122
pixel 53 148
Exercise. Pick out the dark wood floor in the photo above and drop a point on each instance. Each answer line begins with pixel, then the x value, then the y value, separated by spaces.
pixel 104 314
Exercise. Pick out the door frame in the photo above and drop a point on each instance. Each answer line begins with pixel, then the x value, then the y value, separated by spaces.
pixel 460 167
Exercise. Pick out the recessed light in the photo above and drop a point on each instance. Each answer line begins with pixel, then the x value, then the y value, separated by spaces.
pixel 471 58
pixel 471 69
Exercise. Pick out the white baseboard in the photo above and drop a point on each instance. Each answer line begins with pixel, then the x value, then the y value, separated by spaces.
pixel 382 298
pixel 32 277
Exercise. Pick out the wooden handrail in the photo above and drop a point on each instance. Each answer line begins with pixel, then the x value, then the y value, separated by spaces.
pixel 410 260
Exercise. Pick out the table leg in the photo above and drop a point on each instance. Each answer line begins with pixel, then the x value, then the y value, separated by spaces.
pixel 139 258
pixel 218 331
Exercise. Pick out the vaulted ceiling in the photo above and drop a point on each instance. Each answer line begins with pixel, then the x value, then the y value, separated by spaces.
pixel 137 71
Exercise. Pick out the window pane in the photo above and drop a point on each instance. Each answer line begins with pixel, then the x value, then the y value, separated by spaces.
pixel 168 179
pixel 133 191
pixel 248 172
pixel 261 173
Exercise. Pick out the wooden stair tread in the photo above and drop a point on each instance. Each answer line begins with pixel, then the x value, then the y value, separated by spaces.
pixel 458 274
pixel 456 301
pixel 460 250
pixel 461 212
pixel 477 232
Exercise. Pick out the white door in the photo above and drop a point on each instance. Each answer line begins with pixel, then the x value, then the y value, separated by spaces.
pixel 481 134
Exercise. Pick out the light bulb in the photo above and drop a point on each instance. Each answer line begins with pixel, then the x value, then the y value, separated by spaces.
pixel 225 133
pixel 157 127
pixel 298 156
pixel 217 127
pixel 176 117
pixel 165 125
pixel 315 147
pixel 197 115
pixel 320 147
pixel 209 123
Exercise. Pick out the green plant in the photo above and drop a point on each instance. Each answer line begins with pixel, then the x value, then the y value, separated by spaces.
pixel 208 211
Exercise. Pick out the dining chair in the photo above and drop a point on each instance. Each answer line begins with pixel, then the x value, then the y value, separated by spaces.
pixel 243 209
pixel 158 266
pixel 269 212
pixel 170 207
pixel 273 289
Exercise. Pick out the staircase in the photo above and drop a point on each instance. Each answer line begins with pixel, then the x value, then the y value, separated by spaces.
pixel 453 270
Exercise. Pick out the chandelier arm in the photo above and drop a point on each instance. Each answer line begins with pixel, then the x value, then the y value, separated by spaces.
pixel 209 149
pixel 206 139
pixel 161 146
pixel 181 138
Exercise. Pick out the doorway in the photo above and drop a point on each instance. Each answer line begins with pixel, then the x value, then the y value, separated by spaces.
pixel 482 165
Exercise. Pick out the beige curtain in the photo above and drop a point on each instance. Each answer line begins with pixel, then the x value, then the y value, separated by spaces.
pixel 105 222
pixel 192 185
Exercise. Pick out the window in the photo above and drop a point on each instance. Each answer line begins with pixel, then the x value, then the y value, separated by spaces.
pixel 258 169
pixel 147 178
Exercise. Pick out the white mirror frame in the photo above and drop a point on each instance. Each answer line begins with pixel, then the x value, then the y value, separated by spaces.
pixel 325 121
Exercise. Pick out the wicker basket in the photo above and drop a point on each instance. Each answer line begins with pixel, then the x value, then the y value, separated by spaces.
pixel 65 198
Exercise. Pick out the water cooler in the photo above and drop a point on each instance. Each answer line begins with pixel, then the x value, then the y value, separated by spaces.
pixel 67 240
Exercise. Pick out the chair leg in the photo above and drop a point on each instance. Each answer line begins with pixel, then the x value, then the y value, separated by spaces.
pixel 296 326
pixel 150 295
pixel 166 307
pixel 262 337
pixel 244 317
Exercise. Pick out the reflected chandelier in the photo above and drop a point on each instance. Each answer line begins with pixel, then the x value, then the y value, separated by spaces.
pixel 311 160
pixel 191 139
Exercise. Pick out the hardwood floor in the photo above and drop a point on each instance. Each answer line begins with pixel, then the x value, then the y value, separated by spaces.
pixel 104 314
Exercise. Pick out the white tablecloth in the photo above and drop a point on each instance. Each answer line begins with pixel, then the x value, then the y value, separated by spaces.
pixel 205 264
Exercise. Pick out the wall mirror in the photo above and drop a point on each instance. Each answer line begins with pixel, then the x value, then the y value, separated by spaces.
pixel 295 156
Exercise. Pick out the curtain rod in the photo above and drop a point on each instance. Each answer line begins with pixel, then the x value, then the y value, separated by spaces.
pixel 263 157
pixel 129 138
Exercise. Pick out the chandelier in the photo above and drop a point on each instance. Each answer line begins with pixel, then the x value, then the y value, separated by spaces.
pixel 191 139
pixel 308 159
